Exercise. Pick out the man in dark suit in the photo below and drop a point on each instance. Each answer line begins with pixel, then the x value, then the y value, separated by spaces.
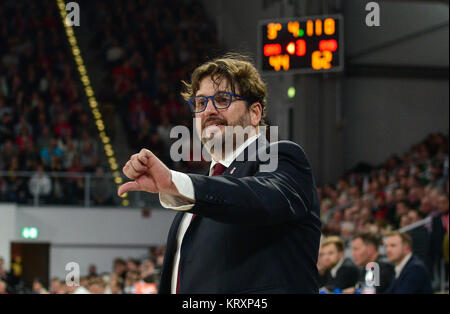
pixel 411 275
pixel 439 229
pixel 420 237
pixel 364 251
pixel 248 227
pixel 341 273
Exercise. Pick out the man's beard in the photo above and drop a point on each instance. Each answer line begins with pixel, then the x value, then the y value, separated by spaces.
pixel 222 142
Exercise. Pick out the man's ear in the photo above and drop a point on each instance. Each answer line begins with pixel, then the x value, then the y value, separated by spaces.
pixel 255 113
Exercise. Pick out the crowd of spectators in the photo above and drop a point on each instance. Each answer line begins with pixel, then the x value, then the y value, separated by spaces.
pixel 127 276
pixel 402 191
pixel 43 124
pixel 147 49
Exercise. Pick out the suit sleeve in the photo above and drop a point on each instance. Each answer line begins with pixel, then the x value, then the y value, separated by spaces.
pixel 285 194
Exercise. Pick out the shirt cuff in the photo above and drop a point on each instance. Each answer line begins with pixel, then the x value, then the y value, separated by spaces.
pixel 185 187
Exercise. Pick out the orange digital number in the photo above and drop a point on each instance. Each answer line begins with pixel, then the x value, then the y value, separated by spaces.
pixel 309 28
pixel 318 27
pixel 321 60
pixel 278 62
pixel 329 26
pixel 272 30
pixel 293 28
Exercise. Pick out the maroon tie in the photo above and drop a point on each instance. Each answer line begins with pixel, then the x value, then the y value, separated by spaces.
pixel 219 169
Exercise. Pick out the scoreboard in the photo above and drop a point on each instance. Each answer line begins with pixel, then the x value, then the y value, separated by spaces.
pixel 301 45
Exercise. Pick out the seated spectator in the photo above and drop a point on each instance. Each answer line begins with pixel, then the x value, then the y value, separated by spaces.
pixel 23 139
pixel 102 190
pixel 341 272
pixel 120 268
pixel 3 271
pixel 48 151
pixel 38 287
pixel 420 239
pixel 133 264
pixel 84 286
pixel 40 184
pixel 69 152
pixel 7 152
pixel 148 273
pixel 364 251
pixel 116 284
pixel 3 287
pixel 411 275
pixel 92 270
pixel 88 155
pixel 439 230
pixel 97 286
pixel 55 286
pixel 62 127
pixel 131 278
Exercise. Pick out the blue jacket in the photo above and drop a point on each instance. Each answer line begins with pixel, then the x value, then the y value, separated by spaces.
pixel 414 278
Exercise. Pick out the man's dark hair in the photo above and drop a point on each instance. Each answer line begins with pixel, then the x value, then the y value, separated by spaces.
pixel 369 238
pixel 239 72
pixel 119 261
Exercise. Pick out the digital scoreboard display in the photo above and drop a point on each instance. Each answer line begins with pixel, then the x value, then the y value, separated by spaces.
pixel 301 45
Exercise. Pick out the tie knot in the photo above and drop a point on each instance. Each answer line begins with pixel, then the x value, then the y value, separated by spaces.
pixel 219 169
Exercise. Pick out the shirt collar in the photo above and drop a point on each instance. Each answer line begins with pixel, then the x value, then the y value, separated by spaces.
pixel 334 270
pixel 231 157
pixel 399 267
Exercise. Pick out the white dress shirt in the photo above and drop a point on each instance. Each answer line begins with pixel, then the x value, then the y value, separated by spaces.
pixel 186 188
pixel 399 267
pixel 335 269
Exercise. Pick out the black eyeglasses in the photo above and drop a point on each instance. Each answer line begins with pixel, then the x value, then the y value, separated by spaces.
pixel 220 100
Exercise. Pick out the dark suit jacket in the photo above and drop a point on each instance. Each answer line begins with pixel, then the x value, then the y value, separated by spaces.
pixel 421 245
pixel 347 276
pixel 436 241
pixel 414 278
pixel 254 232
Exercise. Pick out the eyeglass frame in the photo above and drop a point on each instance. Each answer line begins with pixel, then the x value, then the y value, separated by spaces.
pixel 231 94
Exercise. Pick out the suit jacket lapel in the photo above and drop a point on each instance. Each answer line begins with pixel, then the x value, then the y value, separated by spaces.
pixel 249 154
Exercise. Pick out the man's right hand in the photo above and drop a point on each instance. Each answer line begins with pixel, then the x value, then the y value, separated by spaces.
pixel 149 174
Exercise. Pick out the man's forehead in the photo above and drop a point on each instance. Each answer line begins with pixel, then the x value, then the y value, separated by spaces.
pixel 393 239
pixel 208 85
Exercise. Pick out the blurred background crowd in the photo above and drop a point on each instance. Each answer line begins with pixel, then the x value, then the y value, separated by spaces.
pixel 127 276
pixel 147 48
pixel 44 126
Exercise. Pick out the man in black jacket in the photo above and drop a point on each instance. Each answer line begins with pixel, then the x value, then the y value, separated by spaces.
pixel 342 274
pixel 411 275
pixel 439 229
pixel 365 250
pixel 245 228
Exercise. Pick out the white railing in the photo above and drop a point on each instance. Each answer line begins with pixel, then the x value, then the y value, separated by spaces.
pixel 66 181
